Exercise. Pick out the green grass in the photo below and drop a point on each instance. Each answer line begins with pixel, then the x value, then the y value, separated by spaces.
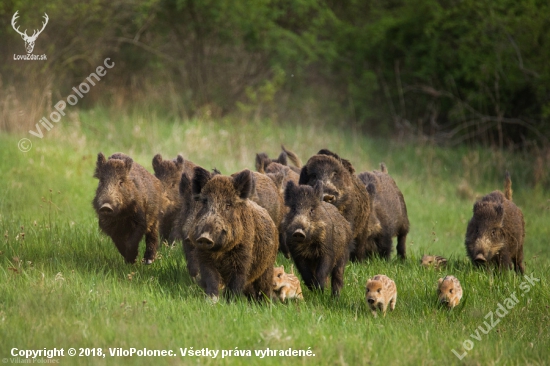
pixel 63 283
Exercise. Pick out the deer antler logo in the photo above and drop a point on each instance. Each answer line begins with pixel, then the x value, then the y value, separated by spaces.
pixel 29 41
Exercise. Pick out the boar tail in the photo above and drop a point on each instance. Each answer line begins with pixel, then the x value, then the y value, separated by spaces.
pixel 507 186
pixel 293 157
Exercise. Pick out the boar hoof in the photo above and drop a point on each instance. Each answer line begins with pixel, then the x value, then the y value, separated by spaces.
pixel 148 261
pixel 213 300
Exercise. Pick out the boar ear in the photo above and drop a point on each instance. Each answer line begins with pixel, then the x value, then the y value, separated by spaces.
pixel 371 189
pixel 128 162
pixel 304 176
pixel 500 212
pixel 100 161
pixel 277 178
pixel 179 161
pixel 185 184
pixel 344 162
pixel 156 163
pixel 318 190
pixel 200 178
pixel 440 281
pixel 383 168
pixel 283 158
pixel 244 184
pixel 289 192
pixel 260 162
pixel 215 171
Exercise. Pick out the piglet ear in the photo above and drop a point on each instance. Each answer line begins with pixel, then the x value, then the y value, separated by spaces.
pixel 289 192
pixel 244 184
pixel 440 281
pixel 157 160
pixel 200 178
pixel 100 161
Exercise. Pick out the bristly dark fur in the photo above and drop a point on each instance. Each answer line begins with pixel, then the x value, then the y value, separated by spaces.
pixel 128 205
pixel 496 232
pixel 344 190
pixel 318 236
pixel 388 213
pixel 235 239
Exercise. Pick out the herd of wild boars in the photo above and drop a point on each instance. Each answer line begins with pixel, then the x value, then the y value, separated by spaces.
pixel 321 214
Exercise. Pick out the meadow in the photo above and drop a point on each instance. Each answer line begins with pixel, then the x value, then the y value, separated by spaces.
pixel 64 285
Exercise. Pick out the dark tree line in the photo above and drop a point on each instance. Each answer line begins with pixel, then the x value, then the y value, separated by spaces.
pixel 445 70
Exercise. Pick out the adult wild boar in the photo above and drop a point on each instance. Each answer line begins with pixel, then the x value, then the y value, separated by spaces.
pixel 496 232
pixel 318 237
pixel 388 216
pixel 235 238
pixel 169 173
pixel 344 190
pixel 128 204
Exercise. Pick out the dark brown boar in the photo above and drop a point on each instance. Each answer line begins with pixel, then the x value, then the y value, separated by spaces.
pixel 128 203
pixel 235 238
pixel 267 166
pixel 388 216
pixel 169 173
pixel 344 190
pixel 318 236
pixel 184 222
pixel 496 232
pixel 262 158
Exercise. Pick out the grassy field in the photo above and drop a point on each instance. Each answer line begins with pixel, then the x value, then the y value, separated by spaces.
pixel 64 285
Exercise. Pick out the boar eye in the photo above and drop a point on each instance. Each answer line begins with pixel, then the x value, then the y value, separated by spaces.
pixel 120 182
pixel 378 290
pixel 451 291
pixel 228 205
pixel 493 232
pixel 311 211
pixel 368 289
pixel 333 174
pixel 279 275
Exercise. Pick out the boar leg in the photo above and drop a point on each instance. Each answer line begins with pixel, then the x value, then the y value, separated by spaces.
pixel 151 243
pixel 263 285
pixel 322 271
pixel 210 280
pixel 129 247
pixel 384 244
pixel 337 280
pixel 401 245
pixel 361 247
pixel 305 271
pixel 191 258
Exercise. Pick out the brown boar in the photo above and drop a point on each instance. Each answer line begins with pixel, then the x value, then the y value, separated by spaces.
pixel 262 158
pixel 388 217
pixel 169 173
pixel 184 222
pixel 496 232
pixel 235 238
pixel 344 190
pixel 266 165
pixel 318 236
pixel 128 203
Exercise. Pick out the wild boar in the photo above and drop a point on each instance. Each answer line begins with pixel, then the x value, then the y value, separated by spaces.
pixel 449 291
pixel 388 217
pixel 345 191
pixel 128 204
pixel 381 292
pixel 235 238
pixel 286 285
pixel 496 232
pixel 318 236
pixel 169 173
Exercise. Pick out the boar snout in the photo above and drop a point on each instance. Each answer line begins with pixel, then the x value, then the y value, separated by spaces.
pixel 370 301
pixel 480 259
pixel 205 240
pixel 299 235
pixel 106 208
pixel 328 198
